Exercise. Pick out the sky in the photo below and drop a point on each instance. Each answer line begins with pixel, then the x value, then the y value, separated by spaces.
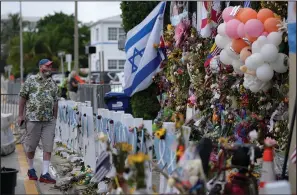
pixel 87 11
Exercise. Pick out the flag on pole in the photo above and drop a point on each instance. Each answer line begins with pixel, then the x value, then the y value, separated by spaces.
pixel 293 156
pixel 142 59
pixel 292 26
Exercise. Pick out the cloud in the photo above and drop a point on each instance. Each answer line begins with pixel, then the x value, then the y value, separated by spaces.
pixel 87 11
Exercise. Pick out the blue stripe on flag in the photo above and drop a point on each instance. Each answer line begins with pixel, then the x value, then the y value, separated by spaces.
pixel 292 37
pixel 144 73
pixel 144 31
pixel 247 4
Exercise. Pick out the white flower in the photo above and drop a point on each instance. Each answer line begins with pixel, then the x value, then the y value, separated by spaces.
pixel 171 181
pixel 253 135
pixel 102 137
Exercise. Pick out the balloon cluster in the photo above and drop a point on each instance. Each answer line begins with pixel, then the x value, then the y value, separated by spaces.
pixel 250 41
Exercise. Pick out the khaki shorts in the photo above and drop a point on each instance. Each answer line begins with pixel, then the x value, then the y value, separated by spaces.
pixel 35 131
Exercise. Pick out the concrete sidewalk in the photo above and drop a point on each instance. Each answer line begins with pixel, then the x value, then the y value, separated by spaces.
pixel 18 160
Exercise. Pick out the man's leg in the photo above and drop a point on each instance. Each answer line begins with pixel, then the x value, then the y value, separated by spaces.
pixel 33 133
pixel 47 138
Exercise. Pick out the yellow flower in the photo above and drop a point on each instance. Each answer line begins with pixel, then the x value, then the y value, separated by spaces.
pixel 132 190
pixel 126 147
pixel 223 140
pixel 160 133
pixel 137 158
pixel 169 27
pixel 155 45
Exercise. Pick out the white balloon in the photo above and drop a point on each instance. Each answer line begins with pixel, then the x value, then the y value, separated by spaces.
pixel 262 40
pixel 222 29
pixel 275 38
pixel 225 58
pixel 237 64
pixel 264 73
pixel 231 53
pixel 266 86
pixel 254 61
pixel 222 41
pixel 245 84
pixel 255 85
pixel 269 52
pixel 254 88
pixel 256 47
pixel 281 64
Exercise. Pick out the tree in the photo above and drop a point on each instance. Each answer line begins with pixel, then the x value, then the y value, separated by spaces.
pixel 54 33
pixel 133 12
pixel 143 103
pixel 10 28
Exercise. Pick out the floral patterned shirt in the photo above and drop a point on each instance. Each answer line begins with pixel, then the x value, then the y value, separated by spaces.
pixel 41 95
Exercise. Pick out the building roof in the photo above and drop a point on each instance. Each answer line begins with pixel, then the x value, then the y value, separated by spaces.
pixel 112 19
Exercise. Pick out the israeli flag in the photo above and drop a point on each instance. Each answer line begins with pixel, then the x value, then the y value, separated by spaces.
pixel 142 59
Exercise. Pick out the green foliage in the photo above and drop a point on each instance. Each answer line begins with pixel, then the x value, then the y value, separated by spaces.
pixel 55 33
pixel 145 103
pixel 133 12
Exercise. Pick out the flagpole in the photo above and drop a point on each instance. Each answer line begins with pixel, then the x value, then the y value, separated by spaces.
pixel 21 44
pixel 76 61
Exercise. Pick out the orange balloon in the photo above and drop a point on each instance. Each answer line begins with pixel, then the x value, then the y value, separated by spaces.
pixel 264 14
pixel 245 52
pixel 241 10
pixel 248 14
pixel 270 25
pixel 238 44
pixel 251 39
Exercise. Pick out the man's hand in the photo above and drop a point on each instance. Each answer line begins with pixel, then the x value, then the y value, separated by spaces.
pixel 21 120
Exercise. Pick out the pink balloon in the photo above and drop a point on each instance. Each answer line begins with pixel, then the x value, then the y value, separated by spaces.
pixel 254 28
pixel 240 30
pixel 226 14
pixel 231 28
pixel 265 34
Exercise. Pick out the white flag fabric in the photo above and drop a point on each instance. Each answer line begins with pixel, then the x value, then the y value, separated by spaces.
pixel 142 59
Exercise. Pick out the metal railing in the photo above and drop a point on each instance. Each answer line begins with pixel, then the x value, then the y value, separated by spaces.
pixel 96 92
pixel 10 104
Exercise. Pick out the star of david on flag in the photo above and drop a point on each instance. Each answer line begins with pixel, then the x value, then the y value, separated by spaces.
pixel 132 58
pixel 142 59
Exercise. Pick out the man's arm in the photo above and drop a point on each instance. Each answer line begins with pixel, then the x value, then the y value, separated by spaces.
pixel 24 94
pixel 56 99
pixel 22 103
pixel 55 110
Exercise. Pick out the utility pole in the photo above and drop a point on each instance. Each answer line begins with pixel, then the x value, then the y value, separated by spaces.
pixel 76 54
pixel 21 44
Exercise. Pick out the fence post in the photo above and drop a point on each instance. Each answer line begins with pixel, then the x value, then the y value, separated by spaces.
pixel 95 104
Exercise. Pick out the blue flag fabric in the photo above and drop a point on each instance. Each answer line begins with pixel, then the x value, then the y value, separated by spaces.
pixel 142 59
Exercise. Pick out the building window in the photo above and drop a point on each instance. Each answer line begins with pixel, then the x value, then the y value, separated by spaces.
pixel 112 64
pixel 121 64
pixel 112 34
pixel 97 34
pixel 122 31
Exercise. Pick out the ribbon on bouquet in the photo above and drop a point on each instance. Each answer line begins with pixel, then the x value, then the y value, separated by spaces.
pixel 117 132
pixel 105 128
pixel 62 114
pixel 162 150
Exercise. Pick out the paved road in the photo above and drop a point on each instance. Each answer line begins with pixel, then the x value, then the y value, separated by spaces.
pixel 17 160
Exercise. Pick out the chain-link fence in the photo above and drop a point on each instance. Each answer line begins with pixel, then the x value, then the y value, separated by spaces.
pixel 96 92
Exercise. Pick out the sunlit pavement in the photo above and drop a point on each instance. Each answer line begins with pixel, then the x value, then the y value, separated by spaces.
pixel 17 160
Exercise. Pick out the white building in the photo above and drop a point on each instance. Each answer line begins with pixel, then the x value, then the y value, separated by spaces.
pixel 105 34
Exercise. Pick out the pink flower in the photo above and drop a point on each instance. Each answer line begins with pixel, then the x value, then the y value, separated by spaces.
pixel 193 99
pixel 269 142
pixel 180 32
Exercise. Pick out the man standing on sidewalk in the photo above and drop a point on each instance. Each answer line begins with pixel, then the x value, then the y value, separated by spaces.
pixel 40 95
